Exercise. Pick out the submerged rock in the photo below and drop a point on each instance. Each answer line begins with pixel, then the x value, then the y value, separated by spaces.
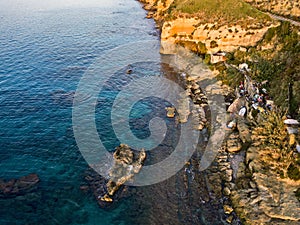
pixel 129 71
pixel 21 186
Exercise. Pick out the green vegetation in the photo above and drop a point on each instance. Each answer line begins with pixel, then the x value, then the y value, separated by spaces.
pixel 213 44
pixel 283 68
pixel 202 48
pixel 231 77
pixel 219 10
pixel 293 172
pixel 198 48
pixel 280 65
pixel 278 7
pixel 276 151
pixel 297 193
pixel 207 59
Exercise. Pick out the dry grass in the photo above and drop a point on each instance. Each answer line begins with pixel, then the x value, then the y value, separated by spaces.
pixel 275 149
pixel 219 10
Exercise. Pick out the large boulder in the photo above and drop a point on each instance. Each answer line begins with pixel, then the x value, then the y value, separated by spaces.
pixel 244 132
pixel 233 143
pixel 126 164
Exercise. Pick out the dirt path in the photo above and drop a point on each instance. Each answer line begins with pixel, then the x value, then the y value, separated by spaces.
pixel 296 23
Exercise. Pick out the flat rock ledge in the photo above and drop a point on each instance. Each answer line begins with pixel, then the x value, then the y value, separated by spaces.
pixel 253 193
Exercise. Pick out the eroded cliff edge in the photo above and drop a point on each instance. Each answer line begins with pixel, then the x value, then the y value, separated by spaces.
pixel 208 26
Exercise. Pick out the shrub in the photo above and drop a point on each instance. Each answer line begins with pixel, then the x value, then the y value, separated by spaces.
pixel 202 48
pixel 207 59
pixel 213 44
pixel 293 172
pixel 297 194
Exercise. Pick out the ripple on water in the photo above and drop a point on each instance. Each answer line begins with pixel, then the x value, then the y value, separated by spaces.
pixel 43 56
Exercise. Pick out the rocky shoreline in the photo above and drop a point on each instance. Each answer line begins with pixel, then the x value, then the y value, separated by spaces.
pixel 193 195
pixel 249 194
pixel 257 194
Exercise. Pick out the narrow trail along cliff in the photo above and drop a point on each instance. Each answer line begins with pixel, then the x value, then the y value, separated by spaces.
pixel 281 18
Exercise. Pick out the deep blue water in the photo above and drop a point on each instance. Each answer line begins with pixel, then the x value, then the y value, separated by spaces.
pixel 43 55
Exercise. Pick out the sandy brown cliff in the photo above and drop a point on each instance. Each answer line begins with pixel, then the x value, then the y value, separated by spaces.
pixel 209 38
pixel 204 33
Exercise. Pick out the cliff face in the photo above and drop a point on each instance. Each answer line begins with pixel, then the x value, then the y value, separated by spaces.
pixel 199 33
pixel 157 8
pixel 208 38
pixel 281 7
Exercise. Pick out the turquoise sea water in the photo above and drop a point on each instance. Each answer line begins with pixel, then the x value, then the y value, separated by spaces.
pixel 44 51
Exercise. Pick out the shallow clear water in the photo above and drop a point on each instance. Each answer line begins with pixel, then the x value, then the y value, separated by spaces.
pixel 43 54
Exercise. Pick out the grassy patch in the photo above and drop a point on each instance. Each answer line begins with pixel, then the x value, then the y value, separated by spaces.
pixel 219 10
pixel 229 76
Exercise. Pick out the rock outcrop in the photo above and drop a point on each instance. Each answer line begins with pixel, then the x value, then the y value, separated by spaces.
pixel 258 193
pixel 126 164
pixel 253 187
pixel 263 197
pixel 156 8
pixel 20 186
pixel 196 33
pixel 209 37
